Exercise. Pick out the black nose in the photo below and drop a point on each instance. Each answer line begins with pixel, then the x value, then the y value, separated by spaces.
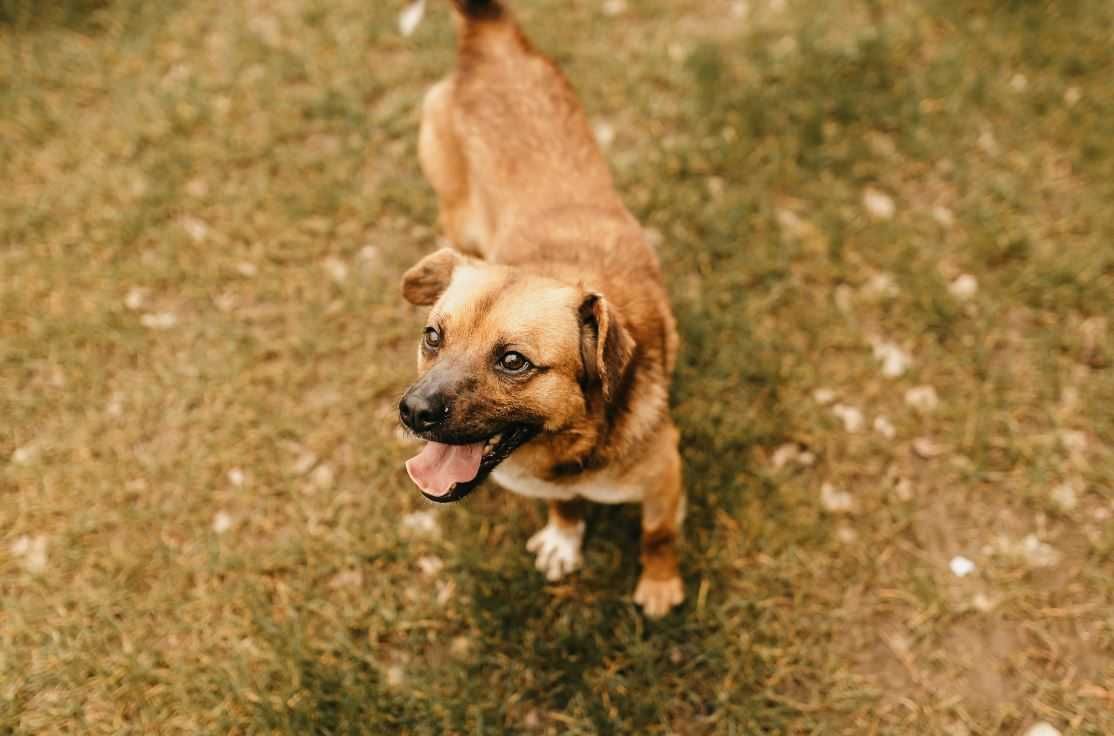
pixel 422 413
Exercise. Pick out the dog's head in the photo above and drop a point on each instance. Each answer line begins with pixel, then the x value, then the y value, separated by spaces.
pixel 505 355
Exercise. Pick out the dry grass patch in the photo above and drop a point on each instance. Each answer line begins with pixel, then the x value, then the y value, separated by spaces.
pixel 204 522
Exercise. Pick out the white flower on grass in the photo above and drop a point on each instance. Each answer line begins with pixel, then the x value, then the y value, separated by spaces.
pixel 197 188
pixel 115 405
pixel 303 463
pixel 922 398
pixel 823 396
pixel 982 603
pixel 1064 496
pixel 236 477
pixel 964 287
pixel 784 455
pixel 1072 96
pixel 323 476
pixel 895 361
pixel 943 216
pixel 791 223
pixel 881 286
pixel 460 646
pixel 337 269
pixel 135 298
pixel 266 28
pixel 1019 82
pixel 32 550
pixel 927 448
pixel 614 7
pixel 1030 550
pixel 395 676
pixel 159 320
pixel 987 142
pixel 445 591
pixel 347 579
pixel 410 17
pixel 784 47
pixel 835 500
pixel 1038 553
pixel 421 522
pixel 197 229
pixel 961 567
pixel 851 417
pixel 1043 729
pixel 884 427
pixel 878 204
pixel 430 565
pixel 903 489
pixel 24 455
pixel 222 522
pixel 604 132
pixel 1074 441
pixel 226 301
pixel 369 254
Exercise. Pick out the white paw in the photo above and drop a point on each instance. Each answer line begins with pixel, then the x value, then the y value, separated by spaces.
pixel 558 549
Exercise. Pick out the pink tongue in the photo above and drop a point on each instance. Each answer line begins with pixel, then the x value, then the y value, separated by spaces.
pixel 438 466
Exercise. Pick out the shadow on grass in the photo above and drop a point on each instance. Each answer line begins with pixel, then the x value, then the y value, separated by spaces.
pixel 38 14
pixel 328 693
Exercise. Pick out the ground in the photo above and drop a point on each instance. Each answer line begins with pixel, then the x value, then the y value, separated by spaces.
pixel 887 231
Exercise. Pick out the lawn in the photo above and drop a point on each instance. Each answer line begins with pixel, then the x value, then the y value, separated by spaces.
pixel 888 233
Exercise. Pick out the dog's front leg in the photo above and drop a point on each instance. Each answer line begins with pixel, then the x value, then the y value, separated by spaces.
pixel 557 544
pixel 663 510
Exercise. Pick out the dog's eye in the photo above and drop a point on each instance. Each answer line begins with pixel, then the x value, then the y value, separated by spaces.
pixel 513 362
pixel 432 338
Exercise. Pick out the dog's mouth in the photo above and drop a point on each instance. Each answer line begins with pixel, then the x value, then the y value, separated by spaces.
pixel 446 472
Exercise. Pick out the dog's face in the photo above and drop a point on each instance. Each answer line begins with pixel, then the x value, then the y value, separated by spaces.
pixel 505 355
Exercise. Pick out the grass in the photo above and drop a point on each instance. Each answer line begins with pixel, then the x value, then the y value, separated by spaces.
pixel 206 208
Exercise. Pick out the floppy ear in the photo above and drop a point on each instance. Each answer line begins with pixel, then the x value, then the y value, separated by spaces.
pixel 605 345
pixel 428 278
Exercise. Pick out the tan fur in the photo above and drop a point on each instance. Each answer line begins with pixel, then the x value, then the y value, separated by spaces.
pixel 565 276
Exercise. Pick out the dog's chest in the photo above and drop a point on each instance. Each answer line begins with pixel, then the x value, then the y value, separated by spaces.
pixel 598 488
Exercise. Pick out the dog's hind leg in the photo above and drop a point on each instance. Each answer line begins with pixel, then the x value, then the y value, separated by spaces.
pixel 445 167
pixel 557 544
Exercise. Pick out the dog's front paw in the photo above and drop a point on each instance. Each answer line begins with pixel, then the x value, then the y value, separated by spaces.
pixel 657 596
pixel 558 549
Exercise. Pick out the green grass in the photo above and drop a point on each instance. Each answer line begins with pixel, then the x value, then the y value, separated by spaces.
pixel 225 163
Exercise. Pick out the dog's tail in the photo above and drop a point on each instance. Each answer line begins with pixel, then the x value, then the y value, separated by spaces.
pixel 485 29
pixel 480 10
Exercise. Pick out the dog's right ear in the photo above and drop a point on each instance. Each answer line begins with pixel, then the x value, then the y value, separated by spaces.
pixel 428 278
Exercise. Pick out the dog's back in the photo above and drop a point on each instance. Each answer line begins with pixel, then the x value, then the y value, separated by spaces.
pixel 524 137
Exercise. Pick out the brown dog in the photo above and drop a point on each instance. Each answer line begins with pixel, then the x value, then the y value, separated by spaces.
pixel 547 357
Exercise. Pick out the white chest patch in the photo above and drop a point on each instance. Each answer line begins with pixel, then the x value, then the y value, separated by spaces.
pixel 597 488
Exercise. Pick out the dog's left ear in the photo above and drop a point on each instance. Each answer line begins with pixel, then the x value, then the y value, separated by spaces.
pixel 428 278
pixel 605 345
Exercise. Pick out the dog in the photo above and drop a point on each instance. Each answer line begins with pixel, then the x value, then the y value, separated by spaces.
pixel 546 358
